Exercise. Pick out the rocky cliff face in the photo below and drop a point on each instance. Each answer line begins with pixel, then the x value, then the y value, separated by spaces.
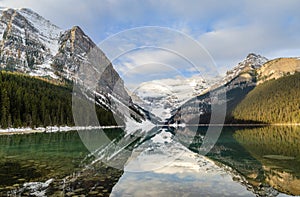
pixel 28 42
pixel 77 50
pixel 73 47
pixel 33 45
pixel 244 73
pixel 277 68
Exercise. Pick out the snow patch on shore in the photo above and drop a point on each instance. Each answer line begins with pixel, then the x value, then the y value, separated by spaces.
pixel 50 129
pixel 133 126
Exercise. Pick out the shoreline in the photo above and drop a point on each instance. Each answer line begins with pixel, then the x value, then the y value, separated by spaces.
pixel 52 129
pixel 246 125
pixel 28 130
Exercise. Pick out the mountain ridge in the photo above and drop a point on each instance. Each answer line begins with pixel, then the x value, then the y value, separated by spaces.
pixel 277 68
pixel 32 45
pixel 165 95
pixel 234 88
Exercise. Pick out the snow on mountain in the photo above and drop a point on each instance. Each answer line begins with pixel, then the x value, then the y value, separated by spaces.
pixel 49 33
pixel 237 83
pixel 28 42
pixel 32 45
pixel 160 97
pixel 26 21
pixel 252 62
pixel 244 71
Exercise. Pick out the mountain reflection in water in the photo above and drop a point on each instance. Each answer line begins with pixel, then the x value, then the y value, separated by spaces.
pixel 243 162
pixel 161 162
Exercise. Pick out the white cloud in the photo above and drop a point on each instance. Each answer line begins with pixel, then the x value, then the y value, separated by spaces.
pixel 145 65
pixel 232 44
pixel 158 53
pixel 228 29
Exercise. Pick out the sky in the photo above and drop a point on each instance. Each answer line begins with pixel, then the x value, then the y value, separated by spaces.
pixel 226 30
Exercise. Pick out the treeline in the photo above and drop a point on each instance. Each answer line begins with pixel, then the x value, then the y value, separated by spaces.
pixel 275 101
pixel 30 102
pixel 273 140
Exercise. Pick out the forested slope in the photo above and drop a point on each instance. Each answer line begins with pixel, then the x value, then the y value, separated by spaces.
pixel 30 102
pixel 275 101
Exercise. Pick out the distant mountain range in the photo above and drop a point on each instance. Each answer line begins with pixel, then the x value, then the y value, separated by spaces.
pixel 32 45
pixel 257 90
pixel 161 97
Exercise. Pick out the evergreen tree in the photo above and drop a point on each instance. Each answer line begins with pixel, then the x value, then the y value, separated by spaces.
pixel 27 101
pixel 5 109
pixel 275 101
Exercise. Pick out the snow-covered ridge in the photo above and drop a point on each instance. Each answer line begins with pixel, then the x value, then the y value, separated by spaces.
pixel 45 26
pixel 28 42
pixel 33 45
pixel 163 96
pixel 243 69
pixel 252 61
pixel 160 97
pixel 48 31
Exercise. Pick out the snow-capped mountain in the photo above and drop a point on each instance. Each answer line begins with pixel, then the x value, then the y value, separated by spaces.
pixel 230 90
pixel 33 45
pixel 244 71
pixel 252 62
pixel 163 96
pixel 28 42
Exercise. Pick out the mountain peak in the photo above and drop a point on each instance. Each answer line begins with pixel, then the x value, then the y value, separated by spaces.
pixel 35 18
pixel 76 28
pixel 245 67
pixel 252 61
pixel 252 55
pixel 79 32
pixel 27 10
pixel 19 9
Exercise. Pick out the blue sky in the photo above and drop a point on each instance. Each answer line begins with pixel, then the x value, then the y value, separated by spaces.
pixel 228 29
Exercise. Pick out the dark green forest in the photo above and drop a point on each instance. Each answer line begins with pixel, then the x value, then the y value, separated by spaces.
pixel 275 101
pixel 274 140
pixel 31 102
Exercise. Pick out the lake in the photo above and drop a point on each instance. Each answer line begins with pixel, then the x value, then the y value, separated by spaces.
pixel 161 162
